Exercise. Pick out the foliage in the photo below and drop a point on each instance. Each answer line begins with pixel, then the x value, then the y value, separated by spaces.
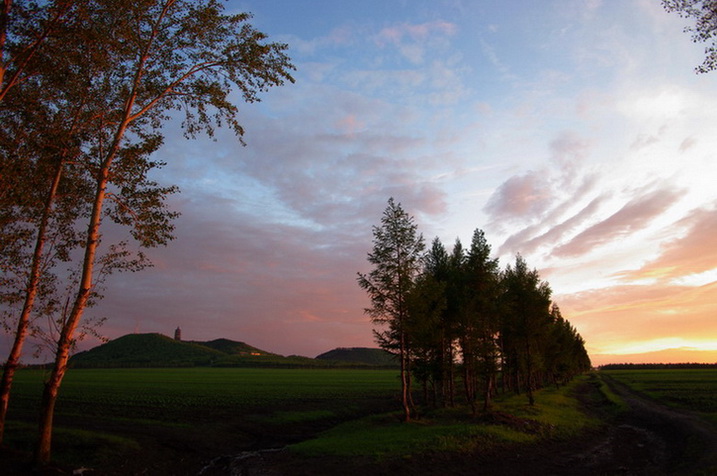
pixel 396 259
pixel 704 12
pixel 459 314
pixel 85 87
pixel 360 355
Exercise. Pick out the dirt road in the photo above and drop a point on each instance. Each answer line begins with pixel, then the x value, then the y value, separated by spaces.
pixel 676 442
pixel 648 440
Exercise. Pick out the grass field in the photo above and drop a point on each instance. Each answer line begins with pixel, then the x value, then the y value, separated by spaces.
pixel 109 411
pixel 689 389
pixel 103 415
pixel 557 414
pixel 199 393
pixel 162 418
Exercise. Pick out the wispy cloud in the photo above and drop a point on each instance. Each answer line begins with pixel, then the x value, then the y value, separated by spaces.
pixel 520 196
pixel 525 242
pixel 556 129
pixel 632 217
pixel 691 254
pixel 416 32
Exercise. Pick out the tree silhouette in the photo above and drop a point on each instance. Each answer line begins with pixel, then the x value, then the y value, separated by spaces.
pixel 704 12
pixel 396 260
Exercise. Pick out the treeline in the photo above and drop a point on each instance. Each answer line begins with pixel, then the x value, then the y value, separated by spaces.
pixel 687 365
pixel 459 323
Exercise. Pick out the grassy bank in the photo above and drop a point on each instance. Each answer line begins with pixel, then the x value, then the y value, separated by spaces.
pixel 556 414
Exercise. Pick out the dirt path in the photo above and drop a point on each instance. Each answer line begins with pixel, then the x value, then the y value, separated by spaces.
pixel 682 442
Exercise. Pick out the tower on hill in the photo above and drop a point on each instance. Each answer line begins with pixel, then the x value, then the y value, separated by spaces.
pixel 178 334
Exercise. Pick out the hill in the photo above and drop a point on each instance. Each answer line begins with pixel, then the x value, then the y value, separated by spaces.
pixel 157 350
pixel 360 355
pixel 231 347
pixel 146 350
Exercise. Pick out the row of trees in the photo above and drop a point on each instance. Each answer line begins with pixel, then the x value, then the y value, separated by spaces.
pixel 456 317
pixel 85 86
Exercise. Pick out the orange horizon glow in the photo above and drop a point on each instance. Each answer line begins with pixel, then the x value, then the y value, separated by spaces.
pixel 666 356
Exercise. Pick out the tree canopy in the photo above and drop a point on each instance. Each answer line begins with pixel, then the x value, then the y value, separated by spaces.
pixel 85 87
pixel 459 314
pixel 704 13
pixel 396 260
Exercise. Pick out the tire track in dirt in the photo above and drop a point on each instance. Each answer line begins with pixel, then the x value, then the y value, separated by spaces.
pixel 675 442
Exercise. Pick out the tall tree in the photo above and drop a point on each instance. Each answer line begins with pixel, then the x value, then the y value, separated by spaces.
pixel 426 305
pixel 151 57
pixel 44 190
pixel 25 29
pixel 704 12
pixel 437 265
pixel 480 320
pixel 455 305
pixel 526 301
pixel 396 260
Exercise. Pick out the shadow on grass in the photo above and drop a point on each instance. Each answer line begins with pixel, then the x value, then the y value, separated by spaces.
pixel 557 414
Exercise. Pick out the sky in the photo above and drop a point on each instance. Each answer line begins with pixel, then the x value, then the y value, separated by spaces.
pixel 573 132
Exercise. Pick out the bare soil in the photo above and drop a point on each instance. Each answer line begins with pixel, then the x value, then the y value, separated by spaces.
pixel 649 439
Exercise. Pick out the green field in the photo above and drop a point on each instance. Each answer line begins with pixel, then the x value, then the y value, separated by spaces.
pixel 689 389
pixel 557 415
pixel 108 415
pixel 203 393
pixel 152 418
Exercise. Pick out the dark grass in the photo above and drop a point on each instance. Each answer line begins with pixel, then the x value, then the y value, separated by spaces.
pixel 557 414
pixel 103 413
pixel 688 389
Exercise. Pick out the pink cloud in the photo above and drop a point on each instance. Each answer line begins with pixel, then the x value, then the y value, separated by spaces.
pixel 349 124
pixel 395 34
pixel 632 217
pixel 568 148
pixel 520 196
pixel 523 244
pixel 687 144
pixel 694 253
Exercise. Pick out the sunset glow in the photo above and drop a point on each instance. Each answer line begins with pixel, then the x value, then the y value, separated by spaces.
pixel 573 132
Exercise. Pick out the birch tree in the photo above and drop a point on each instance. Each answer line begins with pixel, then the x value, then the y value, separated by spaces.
pixel 704 13
pixel 43 190
pixel 151 59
